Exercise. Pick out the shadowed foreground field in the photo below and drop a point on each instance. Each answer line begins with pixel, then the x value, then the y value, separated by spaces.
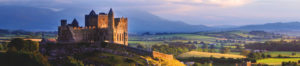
pixel 207 54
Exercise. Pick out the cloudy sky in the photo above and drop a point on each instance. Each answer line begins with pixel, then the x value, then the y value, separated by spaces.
pixel 195 12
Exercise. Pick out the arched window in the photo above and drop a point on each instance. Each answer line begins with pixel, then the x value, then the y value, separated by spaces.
pixel 119 37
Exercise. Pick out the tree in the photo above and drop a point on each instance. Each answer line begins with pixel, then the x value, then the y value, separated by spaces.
pixel 279 56
pixel 263 55
pixel 254 55
pixel 269 56
pixel 226 50
pixel 12 49
pixel 18 43
pixel 2 47
pixel 293 53
pixel 195 42
pixel 245 52
pixel 31 46
pixel 205 47
pixel 189 42
pixel 212 47
pixel 21 44
pixel 238 47
pixel 140 46
pixel 202 43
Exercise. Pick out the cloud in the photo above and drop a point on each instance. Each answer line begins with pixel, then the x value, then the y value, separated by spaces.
pixel 63 1
pixel 184 10
pixel 54 9
pixel 222 3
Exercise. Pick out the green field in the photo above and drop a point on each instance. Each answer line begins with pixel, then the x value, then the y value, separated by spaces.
pixel 283 53
pixel 277 61
pixel 207 54
pixel 147 44
pixel 183 36
pixel 188 37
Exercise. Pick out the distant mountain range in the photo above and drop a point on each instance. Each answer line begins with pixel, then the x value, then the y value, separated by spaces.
pixel 141 21
pixel 272 26
pixel 45 19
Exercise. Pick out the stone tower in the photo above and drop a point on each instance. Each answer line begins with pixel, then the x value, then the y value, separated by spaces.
pixel 111 24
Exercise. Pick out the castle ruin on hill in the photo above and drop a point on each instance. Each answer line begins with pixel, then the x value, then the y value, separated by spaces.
pixel 100 27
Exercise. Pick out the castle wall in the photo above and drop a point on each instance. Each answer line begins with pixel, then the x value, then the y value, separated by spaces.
pixel 121 36
pixel 64 34
pixel 89 34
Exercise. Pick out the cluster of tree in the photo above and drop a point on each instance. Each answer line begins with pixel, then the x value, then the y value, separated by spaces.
pixel 225 50
pixel 3 46
pixel 26 53
pixel 245 52
pixel 290 63
pixel 275 46
pixel 23 53
pixel 253 56
pixel 208 47
pixel 178 48
pixel 24 45
pixel 19 58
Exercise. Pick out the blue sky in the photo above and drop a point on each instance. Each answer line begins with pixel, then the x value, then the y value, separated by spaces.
pixel 195 12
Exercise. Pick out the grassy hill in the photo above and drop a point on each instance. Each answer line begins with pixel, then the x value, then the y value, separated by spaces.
pixel 207 54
